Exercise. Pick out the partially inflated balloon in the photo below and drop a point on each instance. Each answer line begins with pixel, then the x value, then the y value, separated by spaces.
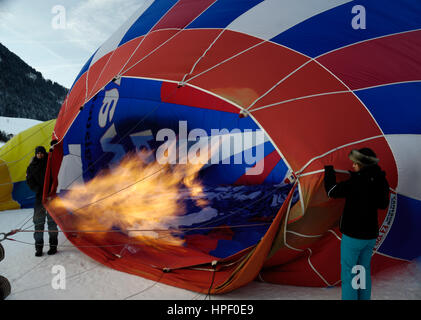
pixel 253 98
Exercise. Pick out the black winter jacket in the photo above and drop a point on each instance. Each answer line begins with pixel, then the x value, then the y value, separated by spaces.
pixel 35 174
pixel 365 192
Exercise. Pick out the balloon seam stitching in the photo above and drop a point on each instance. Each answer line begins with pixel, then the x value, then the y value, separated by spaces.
pixel 226 60
pixel 356 96
pixel 202 56
pixel 144 37
pixel 391 257
pixel 367 40
pixel 190 85
pixel 334 233
pixel 336 149
pixel 305 235
pixel 387 84
pixel 180 30
pixel 314 268
pixel 298 98
pixel 278 83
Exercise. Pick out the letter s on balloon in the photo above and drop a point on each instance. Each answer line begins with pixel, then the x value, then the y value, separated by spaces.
pixel 108 107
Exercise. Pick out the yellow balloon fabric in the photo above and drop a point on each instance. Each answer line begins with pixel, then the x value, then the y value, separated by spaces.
pixel 15 157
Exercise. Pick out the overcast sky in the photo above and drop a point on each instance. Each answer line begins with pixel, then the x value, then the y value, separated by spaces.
pixel 58 37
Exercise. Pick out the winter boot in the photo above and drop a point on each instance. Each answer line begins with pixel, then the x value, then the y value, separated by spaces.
pixel 53 250
pixel 38 249
pixel 38 252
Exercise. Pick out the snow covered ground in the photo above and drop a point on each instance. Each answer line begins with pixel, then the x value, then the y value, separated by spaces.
pixel 15 125
pixel 32 277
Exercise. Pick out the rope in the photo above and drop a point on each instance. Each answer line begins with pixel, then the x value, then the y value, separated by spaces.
pixel 6 235
pixel 141 41
pixel 123 137
pixel 242 208
pixel 224 61
pixel 28 271
pixel 200 227
pixel 277 84
pixel 235 212
pixel 114 193
pixel 25 221
pixel 49 283
pixel 31 269
pixel 164 270
pixel 214 263
pixel 163 43
pixel 295 99
pixel 120 139
pixel 147 230
pixel 146 289
pixel 72 246
pixel 201 57
pixel 120 75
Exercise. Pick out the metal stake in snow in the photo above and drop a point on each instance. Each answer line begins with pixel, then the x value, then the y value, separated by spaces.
pixel 5 235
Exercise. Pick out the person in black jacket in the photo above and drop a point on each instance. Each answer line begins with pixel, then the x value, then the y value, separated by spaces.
pixel 35 174
pixel 366 191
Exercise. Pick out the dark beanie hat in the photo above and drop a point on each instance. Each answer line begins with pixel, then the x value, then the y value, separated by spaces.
pixel 40 149
pixel 364 156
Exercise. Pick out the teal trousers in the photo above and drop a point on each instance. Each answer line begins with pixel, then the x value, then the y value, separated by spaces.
pixel 355 268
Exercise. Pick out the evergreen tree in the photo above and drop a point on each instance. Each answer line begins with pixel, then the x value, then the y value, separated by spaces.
pixel 24 93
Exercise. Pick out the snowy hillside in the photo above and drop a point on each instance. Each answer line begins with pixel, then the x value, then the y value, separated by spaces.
pixel 24 91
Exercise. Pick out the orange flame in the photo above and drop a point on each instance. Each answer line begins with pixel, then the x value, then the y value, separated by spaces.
pixel 138 198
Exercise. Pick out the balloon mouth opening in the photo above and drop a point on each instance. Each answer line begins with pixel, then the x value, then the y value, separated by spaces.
pixel 163 205
pixel 153 177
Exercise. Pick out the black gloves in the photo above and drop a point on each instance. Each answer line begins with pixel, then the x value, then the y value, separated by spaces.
pixel 329 168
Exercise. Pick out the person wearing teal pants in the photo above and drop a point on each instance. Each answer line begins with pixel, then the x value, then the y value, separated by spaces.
pixel 355 268
pixel 366 191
